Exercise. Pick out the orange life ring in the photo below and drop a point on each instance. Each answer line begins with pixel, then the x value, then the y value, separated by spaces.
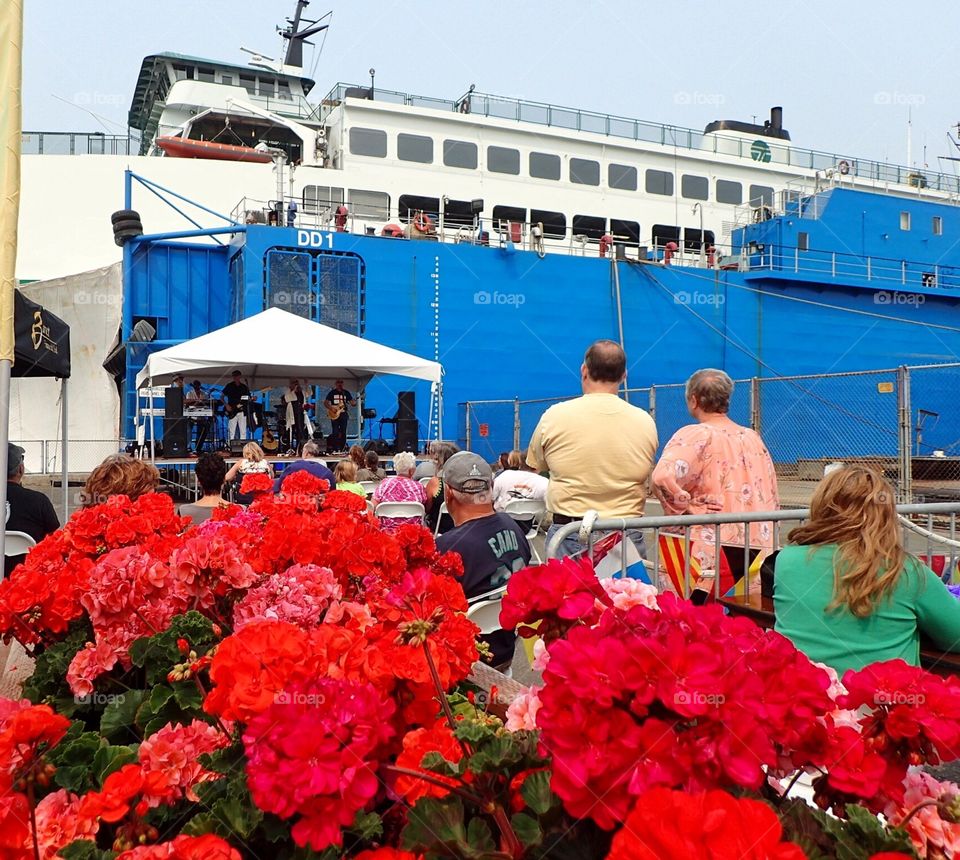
pixel 423 222
pixel 394 231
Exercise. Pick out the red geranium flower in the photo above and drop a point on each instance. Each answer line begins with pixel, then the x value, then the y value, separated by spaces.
pixel 120 793
pixel 207 847
pixel 25 734
pixel 256 482
pixel 701 826
pixel 416 744
pixel 343 500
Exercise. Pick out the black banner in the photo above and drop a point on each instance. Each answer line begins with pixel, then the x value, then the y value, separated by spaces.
pixel 42 341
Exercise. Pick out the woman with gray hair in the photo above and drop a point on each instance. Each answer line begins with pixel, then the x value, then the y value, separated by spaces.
pixel 400 488
pixel 717 466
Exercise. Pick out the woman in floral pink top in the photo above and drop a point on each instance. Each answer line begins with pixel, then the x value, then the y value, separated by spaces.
pixel 401 488
pixel 716 466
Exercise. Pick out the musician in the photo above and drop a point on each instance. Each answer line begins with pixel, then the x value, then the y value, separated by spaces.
pixel 197 397
pixel 236 396
pixel 337 400
pixel 297 420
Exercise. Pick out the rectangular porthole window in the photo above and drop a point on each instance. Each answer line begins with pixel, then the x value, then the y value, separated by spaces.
pixel 583 171
pixel 904 220
pixel 622 176
pixel 460 153
pixel 659 182
pixel 761 195
pixel 554 223
pixel 937 225
pixel 369 204
pixel 694 187
pixel 543 165
pixel 415 147
pixel 368 141
pixel 503 160
pixel 729 192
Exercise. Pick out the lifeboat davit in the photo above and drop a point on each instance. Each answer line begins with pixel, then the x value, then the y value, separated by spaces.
pixel 185 147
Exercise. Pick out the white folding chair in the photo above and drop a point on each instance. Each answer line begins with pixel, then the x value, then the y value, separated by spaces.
pixel 369 486
pixel 424 481
pixel 443 510
pixel 528 509
pixel 400 510
pixel 17 543
pixel 484 609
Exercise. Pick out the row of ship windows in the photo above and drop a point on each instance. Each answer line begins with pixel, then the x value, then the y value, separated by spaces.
pixel 375 205
pixel 254 84
pixel 418 148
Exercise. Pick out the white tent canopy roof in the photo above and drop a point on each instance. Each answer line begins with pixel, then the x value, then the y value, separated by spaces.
pixel 275 346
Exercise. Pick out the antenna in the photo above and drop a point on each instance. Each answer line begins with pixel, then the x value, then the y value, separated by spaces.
pixel 297 38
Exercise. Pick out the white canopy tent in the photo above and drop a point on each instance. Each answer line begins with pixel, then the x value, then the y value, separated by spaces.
pixel 274 346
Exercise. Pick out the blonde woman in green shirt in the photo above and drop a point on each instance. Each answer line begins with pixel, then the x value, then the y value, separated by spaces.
pixel 846 592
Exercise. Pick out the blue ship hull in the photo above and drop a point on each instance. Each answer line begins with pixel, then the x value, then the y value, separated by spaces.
pixel 507 324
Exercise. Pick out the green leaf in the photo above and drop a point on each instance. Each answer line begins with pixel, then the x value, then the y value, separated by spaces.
pixel 537 794
pixel 433 824
pixel 119 717
pixel 861 835
pixel 84 849
pixel 527 829
pixel 434 762
pixel 228 817
pixel 73 758
pixel 158 654
pixel 48 683
pixel 230 760
pixel 494 755
pixel 367 826
pixel 109 759
pixel 479 836
pixel 188 696
pixel 472 731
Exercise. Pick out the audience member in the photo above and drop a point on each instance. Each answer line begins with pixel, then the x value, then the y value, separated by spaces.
pixel 356 455
pixel 253 462
pixel 371 470
pixel 493 547
pixel 427 467
pixel 518 481
pixel 120 474
pixel 211 475
pixel 442 451
pixel 28 511
pixel 401 488
pixel 845 590
pixel 501 465
pixel 346 477
pixel 597 448
pixel 309 462
pixel 716 466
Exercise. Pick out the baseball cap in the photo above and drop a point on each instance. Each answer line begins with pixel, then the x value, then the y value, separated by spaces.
pixel 14 457
pixel 467 473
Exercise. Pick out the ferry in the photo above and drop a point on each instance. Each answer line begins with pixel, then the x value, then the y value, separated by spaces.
pixel 488 232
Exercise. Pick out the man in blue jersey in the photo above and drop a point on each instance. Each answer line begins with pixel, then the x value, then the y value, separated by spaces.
pixel 492 545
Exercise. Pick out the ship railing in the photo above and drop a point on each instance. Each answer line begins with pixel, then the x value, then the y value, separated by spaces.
pixel 78 143
pixel 772 151
pixel 840 265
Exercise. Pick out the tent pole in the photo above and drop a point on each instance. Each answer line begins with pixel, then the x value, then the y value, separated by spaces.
pixel 5 365
pixel 64 470
pixel 153 441
pixel 440 409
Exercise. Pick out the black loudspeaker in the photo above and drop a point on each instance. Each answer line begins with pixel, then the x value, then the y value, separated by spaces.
pixel 236 447
pixel 407 405
pixel 173 402
pixel 176 435
pixel 406 435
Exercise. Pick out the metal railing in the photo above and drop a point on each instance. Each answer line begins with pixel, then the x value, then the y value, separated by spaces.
pixel 937 533
pixel 78 143
pixel 42 456
pixel 903 421
pixel 574 119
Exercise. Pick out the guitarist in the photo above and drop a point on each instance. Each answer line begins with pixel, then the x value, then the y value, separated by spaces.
pixel 236 396
pixel 336 401
pixel 297 421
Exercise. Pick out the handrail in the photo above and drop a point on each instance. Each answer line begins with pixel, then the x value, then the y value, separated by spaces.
pixel 595 524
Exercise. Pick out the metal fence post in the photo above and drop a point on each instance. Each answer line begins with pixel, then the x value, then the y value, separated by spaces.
pixel 469 421
pixel 755 404
pixel 516 423
pixel 904 440
pixel 652 402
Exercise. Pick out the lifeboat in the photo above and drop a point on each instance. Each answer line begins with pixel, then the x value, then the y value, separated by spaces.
pixel 185 147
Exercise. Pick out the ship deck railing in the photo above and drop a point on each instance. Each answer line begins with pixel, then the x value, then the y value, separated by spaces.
pixel 78 143
pixel 610 125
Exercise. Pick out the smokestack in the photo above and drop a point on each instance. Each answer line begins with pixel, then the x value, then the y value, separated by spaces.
pixel 776 118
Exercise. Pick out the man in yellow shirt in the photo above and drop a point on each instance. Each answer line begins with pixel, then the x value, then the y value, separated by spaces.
pixel 598 449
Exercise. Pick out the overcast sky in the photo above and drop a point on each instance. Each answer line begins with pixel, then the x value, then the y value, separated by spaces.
pixel 845 73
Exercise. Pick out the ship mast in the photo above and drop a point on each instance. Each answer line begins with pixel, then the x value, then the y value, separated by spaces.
pixel 297 38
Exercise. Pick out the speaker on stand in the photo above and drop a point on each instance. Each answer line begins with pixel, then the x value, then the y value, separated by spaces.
pixel 407 405
pixel 407 435
pixel 176 428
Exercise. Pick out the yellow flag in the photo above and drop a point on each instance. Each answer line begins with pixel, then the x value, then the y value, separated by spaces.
pixel 11 44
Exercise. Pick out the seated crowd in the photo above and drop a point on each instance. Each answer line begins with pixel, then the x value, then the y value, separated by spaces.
pixel 844 588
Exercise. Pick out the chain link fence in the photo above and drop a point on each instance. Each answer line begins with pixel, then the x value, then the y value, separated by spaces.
pixel 904 421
